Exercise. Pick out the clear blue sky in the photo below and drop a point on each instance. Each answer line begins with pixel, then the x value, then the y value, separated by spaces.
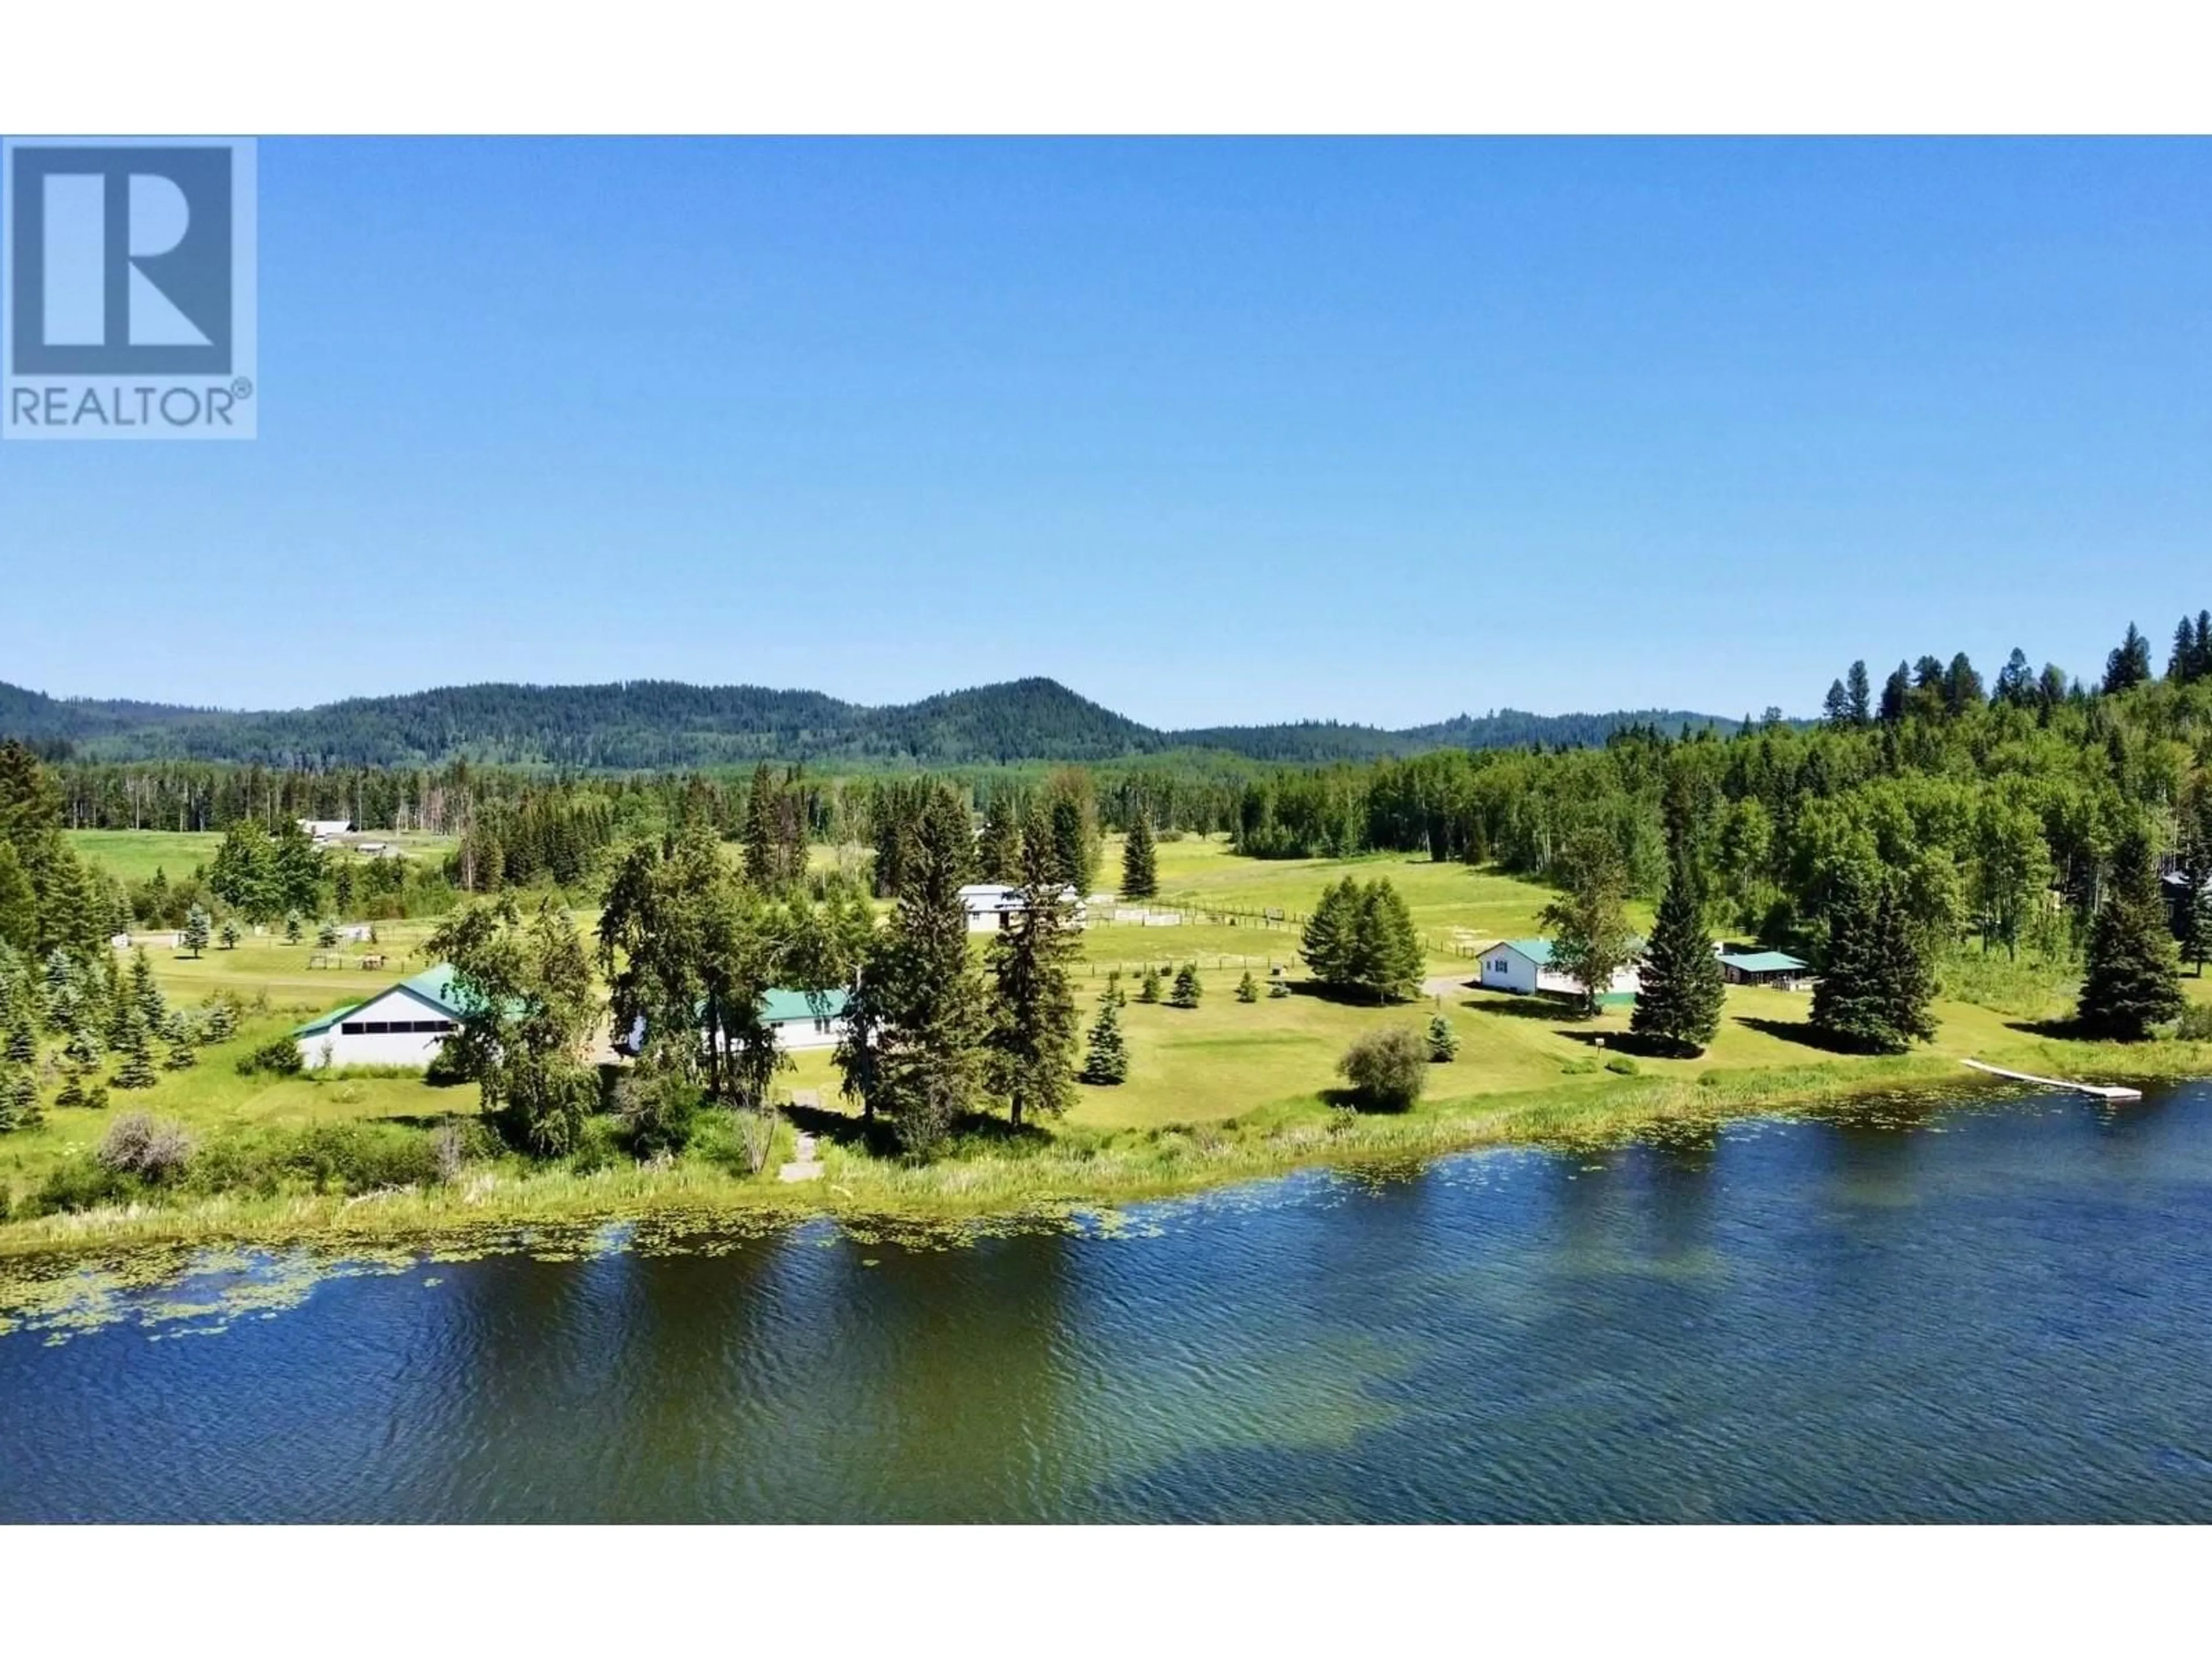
pixel 1210 431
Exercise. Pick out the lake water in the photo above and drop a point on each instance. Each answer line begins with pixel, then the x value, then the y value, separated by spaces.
pixel 1999 1309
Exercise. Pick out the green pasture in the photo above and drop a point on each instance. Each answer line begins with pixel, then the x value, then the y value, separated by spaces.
pixel 133 855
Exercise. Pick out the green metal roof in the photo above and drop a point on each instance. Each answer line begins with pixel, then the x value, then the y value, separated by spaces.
pixel 782 1005
pixel 1765 961
pixel 433 985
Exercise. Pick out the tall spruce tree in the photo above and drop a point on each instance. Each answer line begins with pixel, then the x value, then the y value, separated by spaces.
pixel 19 902
pixel 999 849
pixel 1330 936
pixel 1908 976
pixel 1678 1001
pixel 2134 977
pixel 1032 1034
pixel 764 860
pixel 1896 695
pixel 1859 694
pixel 1875 985
pixel 918 1058
pixel 1387 956
pixel 2128 664
pixel 1140 873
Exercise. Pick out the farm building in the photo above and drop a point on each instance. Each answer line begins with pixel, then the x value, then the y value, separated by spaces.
pixel 405 1025
pixel 991 906
pixel 792 1015
pixel 1524 965
pixel 1772 968
pixel 322 831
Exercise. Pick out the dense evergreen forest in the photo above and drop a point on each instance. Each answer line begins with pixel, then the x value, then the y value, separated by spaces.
pixel 1994 811
pixel 655 725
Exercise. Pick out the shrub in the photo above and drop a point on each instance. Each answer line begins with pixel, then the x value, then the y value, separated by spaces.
pixel 1622 1064
pixel 278 1057
pixel 353 1158
pixel 657 1110
pixel 1387 1069
pixel 156 1150
pixel 1247 988
pixel 1580 1066
pixel 82 1183
pixel 2196 1022
pixel 1148 987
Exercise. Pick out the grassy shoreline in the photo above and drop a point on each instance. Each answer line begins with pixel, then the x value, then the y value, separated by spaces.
pixel 1226 1093
pixel 1053 1179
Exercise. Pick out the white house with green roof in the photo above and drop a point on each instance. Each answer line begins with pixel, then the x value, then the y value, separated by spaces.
pixel 1523 966
pixel 796 1019
pixel 404 1026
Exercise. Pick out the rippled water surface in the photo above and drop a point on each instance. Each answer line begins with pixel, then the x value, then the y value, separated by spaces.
pixel 1999 1310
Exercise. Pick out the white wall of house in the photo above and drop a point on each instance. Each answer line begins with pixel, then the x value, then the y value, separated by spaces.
pixel 350 1047
pixel 795 1034
pixel 1504 970
pixel 1627 982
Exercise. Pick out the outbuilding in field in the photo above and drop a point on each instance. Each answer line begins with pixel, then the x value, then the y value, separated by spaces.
pixel 404 1026
pixel 992 906
pixel 1772 968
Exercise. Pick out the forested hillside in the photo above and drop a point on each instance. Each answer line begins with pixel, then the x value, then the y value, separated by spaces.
pixel 654 724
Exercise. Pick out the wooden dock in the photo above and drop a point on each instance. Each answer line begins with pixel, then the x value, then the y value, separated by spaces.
pixel 2100 1090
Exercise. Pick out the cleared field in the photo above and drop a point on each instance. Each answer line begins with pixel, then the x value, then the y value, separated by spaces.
pixel 1450 902
pixel 135 854
pixel 265 967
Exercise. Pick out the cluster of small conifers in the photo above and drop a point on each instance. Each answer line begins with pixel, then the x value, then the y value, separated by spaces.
pixel 66 1022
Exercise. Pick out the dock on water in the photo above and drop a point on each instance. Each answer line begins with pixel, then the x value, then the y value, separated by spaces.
pixel 2101 1091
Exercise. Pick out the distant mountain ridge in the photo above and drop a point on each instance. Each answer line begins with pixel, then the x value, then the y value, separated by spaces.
pixel 643 725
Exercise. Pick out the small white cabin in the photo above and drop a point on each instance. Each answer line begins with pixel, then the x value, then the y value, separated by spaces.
pixel 992 906
pixel 405 1026
pixel 322 831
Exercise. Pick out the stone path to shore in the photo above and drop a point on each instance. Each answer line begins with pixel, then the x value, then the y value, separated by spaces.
pixel 805 1163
